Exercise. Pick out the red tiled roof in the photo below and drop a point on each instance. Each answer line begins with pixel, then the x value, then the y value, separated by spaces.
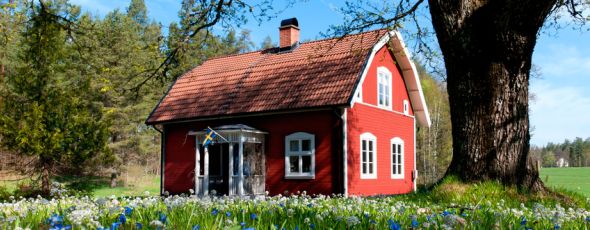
pixel 315 74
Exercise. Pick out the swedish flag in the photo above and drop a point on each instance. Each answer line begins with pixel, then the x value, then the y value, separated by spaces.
pixel 209 135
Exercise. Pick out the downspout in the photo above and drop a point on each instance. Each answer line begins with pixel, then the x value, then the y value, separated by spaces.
pixel 415 174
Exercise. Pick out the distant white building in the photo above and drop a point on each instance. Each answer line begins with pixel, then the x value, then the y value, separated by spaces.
pixel 563 163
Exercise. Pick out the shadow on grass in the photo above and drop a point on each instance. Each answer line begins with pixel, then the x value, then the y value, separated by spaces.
pixel 84 184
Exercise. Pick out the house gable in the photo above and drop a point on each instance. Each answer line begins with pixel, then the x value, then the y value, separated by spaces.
pixel 391 46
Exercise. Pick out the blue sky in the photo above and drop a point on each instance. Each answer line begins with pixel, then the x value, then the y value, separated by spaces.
pixel 561 108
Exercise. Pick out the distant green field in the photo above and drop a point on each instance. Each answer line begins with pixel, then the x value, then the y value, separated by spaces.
pixel 574 179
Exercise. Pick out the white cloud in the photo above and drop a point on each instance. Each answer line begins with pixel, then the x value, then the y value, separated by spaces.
pixel 563 61
pixel 559 113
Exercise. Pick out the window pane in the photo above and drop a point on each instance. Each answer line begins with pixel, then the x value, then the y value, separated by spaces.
pixel 370 168
pixel 364 156
pixel 394 159
pixel 393 169
pixel 399 149
pixel 399 169
pixel 364 168
pixel 399 158
pixel 305 145
pixel 294 164
pixel 306 164
pixel 294 146
pixel 393 148
pixel 370 157
pixel 370 146
pixel 364 145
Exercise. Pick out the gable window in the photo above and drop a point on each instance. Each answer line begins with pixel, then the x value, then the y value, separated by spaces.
pixel 300 156
pixel 383 87
pixel 397 158
pixel 406 107
pixel 368 156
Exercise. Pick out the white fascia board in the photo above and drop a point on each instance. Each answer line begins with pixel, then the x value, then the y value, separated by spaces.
pixel 412 79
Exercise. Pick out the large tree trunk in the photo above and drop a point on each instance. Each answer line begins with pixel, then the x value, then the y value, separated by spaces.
pixel 488 47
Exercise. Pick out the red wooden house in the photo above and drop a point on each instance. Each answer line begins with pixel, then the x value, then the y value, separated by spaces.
pixel 327 116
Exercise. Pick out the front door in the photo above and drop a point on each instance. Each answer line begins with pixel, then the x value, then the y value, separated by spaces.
pixel 218 168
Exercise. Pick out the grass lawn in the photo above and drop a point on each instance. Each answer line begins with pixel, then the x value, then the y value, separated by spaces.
pixel 100 186
pixel 573 179
pixel 150 183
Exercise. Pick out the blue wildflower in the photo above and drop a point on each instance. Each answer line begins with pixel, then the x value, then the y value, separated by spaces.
pixel 115 225
pixel 138 226
pixel 556 226
pixel 228 214
pixel 67 227
pixel 523 221
pixel 588 219
pixel 312 226
pixel 253 216
pixel 446 213
pixel 309 205
pixel 197 227
pixel 366 215
pixel 242 224
pixel 214 212
pixel 128 211
pixel 122 219
pixel 250 228
pixel 296 227
pixel 415 222
pixel 393 225
pixel 163 218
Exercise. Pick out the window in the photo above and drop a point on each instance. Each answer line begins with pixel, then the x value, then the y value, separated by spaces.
pixel 368 156
pixel 383 87
pixel 397 158
pixel 406 107
pixel 300 156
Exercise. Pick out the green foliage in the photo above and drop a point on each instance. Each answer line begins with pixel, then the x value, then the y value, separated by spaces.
pixel 45 109
pixel 267 43
pixel 434 144
pixel 576 153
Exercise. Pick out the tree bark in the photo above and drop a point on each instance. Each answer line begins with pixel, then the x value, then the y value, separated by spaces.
pixel 487 48
pixel 46 178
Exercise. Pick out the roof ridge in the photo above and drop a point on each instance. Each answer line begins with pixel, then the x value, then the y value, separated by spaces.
pixel 264 65
pixel 309 42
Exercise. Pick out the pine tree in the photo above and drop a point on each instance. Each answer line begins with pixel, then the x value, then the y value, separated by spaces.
pixel 45 113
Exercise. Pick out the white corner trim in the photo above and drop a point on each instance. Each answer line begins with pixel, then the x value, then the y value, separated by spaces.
pixel 345 149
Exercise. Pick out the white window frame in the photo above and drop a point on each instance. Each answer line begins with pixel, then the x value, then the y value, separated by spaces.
pixel 299 136
pixel 406 107
pixel 383 72
pixel 396 141
pixel 368 137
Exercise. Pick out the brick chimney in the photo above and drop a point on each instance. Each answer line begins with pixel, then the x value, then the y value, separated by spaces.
pixel 289 33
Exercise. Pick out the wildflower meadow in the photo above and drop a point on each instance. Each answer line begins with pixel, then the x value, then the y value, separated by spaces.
pixel 297 211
